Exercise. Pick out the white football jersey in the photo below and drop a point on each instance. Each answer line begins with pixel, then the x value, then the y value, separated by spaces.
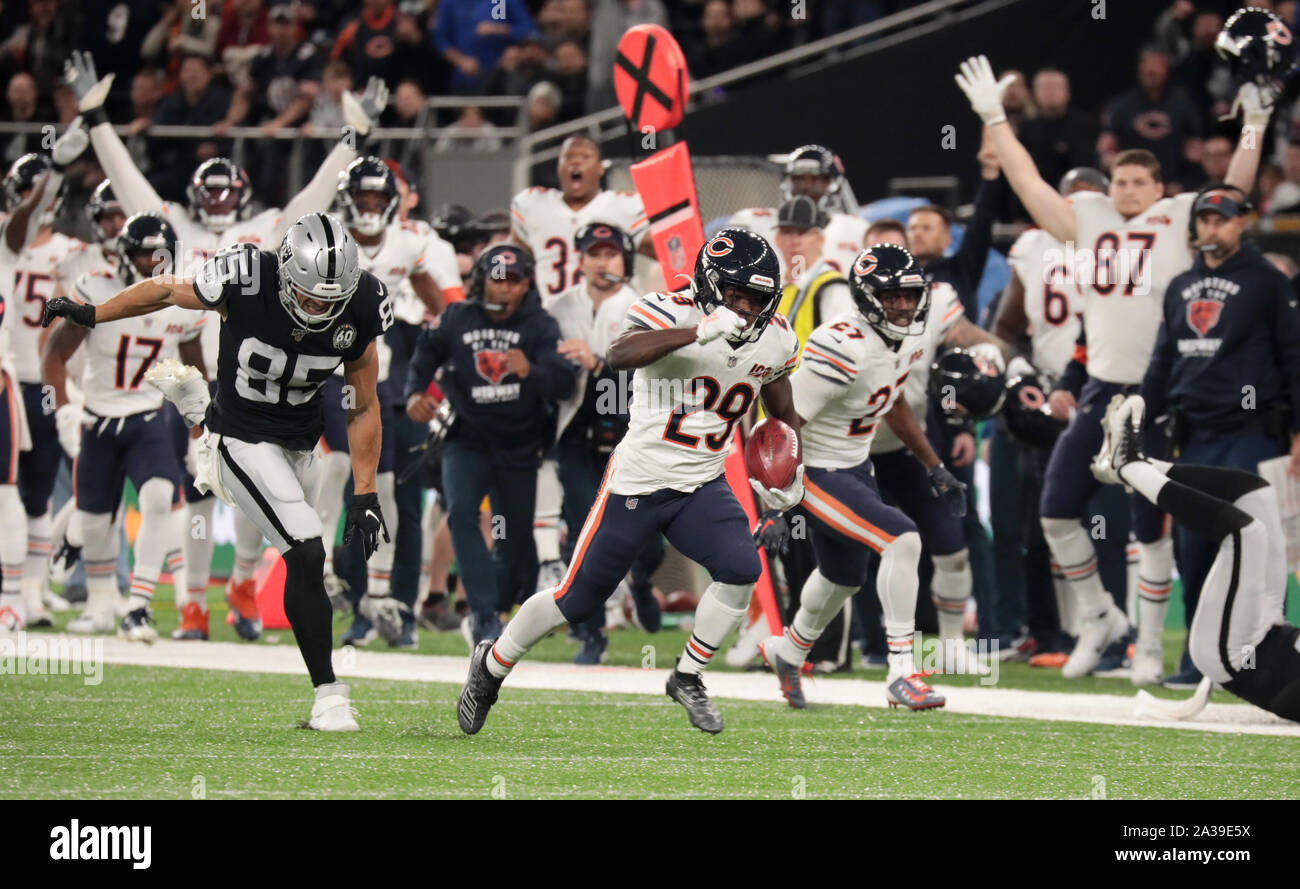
pixel 119 354
pixel 686 406
pixel 572 310
pixel 1125 267
pixel 1053 303
pixel 844 234
pixel 35 279
pixel 393 260
pixel 945 311
pixel 440 262
pixel 80 260
pixel 848 380
pixel 548 225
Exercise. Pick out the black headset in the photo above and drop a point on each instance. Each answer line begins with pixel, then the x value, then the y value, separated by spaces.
pixel 1245 205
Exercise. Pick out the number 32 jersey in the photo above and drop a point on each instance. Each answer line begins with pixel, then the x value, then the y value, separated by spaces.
pixel 686 406
pixel 848 381
pixel 269 373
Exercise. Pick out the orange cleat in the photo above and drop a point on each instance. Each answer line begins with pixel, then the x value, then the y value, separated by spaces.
pixel 242 597
pixel 194 623
pixel 1053 660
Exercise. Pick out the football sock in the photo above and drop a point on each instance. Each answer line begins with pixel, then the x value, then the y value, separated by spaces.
pixel 248 548
pixel 819 602
pixel 13 541
pixel 896 586
pixel 534 620
pixel 37 564
pixel 99 553
pixel 720 608
pixel 1072 549
pixel 1064 600
pixel 1199 512
pixel 158 537
pixel 197 544
pixel 1132 556
pixel 308 607
pixel 951 587
pixel 1155 569
pixel 546 514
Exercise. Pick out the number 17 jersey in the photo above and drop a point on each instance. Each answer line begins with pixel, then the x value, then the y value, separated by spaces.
pixel 687 405
pixel 269 371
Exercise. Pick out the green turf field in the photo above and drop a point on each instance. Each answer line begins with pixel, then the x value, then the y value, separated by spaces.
pixel 154 732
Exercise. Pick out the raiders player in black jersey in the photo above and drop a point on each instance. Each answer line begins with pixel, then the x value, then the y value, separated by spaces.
pixel 288 321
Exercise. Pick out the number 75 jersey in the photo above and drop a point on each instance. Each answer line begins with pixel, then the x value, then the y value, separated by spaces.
pixel 687 405
pixel 269 371
pixel 848 380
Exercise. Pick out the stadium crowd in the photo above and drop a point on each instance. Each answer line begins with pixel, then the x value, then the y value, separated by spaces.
pixel 277 65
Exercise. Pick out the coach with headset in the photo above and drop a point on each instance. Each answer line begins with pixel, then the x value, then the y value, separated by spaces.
pixel 1226 365
pixel 503 376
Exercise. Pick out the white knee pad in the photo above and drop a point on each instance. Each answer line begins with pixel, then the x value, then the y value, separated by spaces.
pixel 953 562
pixel 1059 529
pixel 156 497
pixel 734 596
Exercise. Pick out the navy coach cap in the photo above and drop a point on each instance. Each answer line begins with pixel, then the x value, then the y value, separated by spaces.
pixel 1220 203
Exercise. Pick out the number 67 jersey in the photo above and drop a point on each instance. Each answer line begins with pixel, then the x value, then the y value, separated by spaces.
pixel 269 371
pixel 686 406
pixel 848 380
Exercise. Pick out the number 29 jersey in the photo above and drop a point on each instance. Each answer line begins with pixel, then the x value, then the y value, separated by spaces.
pixel 686 406
pixel 849 379
pixel 269 372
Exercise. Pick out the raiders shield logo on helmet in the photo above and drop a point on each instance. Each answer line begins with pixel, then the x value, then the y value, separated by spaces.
pixel 344 337
pixel 1203 315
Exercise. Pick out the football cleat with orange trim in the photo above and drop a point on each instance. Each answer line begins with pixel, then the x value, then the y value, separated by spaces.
pixel 687 689
pixel 789 675
pixel 194 623
pixel 242 597
pixel 913 693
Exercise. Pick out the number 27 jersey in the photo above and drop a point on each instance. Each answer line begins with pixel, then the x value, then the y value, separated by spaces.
pixel 687 405
pixel 270 373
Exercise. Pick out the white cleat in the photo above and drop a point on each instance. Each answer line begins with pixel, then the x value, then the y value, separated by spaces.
pixel 333 710
pixel 55 602
pixel 1096 632
pixel 13 612
pixel 87 624
pixel 550 574
pixel 1121 441
pixel 1148 665
pixel 957 658
pixel 746 647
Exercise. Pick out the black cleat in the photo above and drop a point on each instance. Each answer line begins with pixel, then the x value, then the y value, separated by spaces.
pixel 687 689
pixel 789 675
pixel 480 690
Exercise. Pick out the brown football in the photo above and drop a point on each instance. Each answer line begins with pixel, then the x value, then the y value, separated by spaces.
pixel 772 453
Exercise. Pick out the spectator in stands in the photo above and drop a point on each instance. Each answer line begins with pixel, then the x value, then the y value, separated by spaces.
pixel 1173 29
pixel 1285 198
pixel 1060 137
pixel 41 46
pixel 719 48
pixel 245 28
pixel 1269 178
pixel 1016 101
pixel 886 231
pixel 1202 72
pixel 569 72
pixel 483 137
pixel 146 90
pixel 381 42
pixel 326 117
pixel 406 106
pixel 113 32
pixel 178 34
pixel 521 67
pixel 65 104
pixel 1216 154
pixel 609 20
pixel 1158 117
pixel 22 107
pixel 560 20
pixel 198 100
pixel 758 29
pixel 543 106
pixel 472 35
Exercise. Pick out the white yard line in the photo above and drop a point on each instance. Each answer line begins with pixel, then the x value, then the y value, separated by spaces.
pixel 360 664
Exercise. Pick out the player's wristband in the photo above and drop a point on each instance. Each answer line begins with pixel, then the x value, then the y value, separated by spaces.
pixel 95 116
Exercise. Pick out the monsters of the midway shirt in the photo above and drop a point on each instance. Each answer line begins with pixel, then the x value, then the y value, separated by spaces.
pixel 270 371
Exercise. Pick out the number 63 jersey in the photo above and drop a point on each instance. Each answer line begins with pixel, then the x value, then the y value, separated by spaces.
pixel 686 406
pixel 848 380
pixel 269 371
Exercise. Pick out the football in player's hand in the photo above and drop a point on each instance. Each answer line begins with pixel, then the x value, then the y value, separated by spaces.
pixel 772 453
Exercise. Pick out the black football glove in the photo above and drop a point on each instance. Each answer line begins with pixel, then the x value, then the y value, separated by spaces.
pixel 772 533
pixel 365 516
pixel 79 314
pixel 944 484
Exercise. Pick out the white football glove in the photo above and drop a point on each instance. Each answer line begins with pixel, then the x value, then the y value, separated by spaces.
pixel 68 147
pixel 363 113
pixel 985 93
pixel 720 322
pixel 79 71
pixel 67 421
pixel 1256 107
pixel 183 386
pixel 1019 366
pixel 782 499
pixel 990 353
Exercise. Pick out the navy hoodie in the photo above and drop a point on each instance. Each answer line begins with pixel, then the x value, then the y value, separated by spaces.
pixel 1224 330
pixel 510 419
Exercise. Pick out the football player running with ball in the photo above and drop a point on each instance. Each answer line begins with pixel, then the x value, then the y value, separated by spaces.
pixel 287 322
pixel 702 355
pixel 852 377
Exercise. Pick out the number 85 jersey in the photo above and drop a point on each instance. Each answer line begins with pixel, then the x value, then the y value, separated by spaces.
pixel 269 372
pixel 848 380
pixel 687 405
